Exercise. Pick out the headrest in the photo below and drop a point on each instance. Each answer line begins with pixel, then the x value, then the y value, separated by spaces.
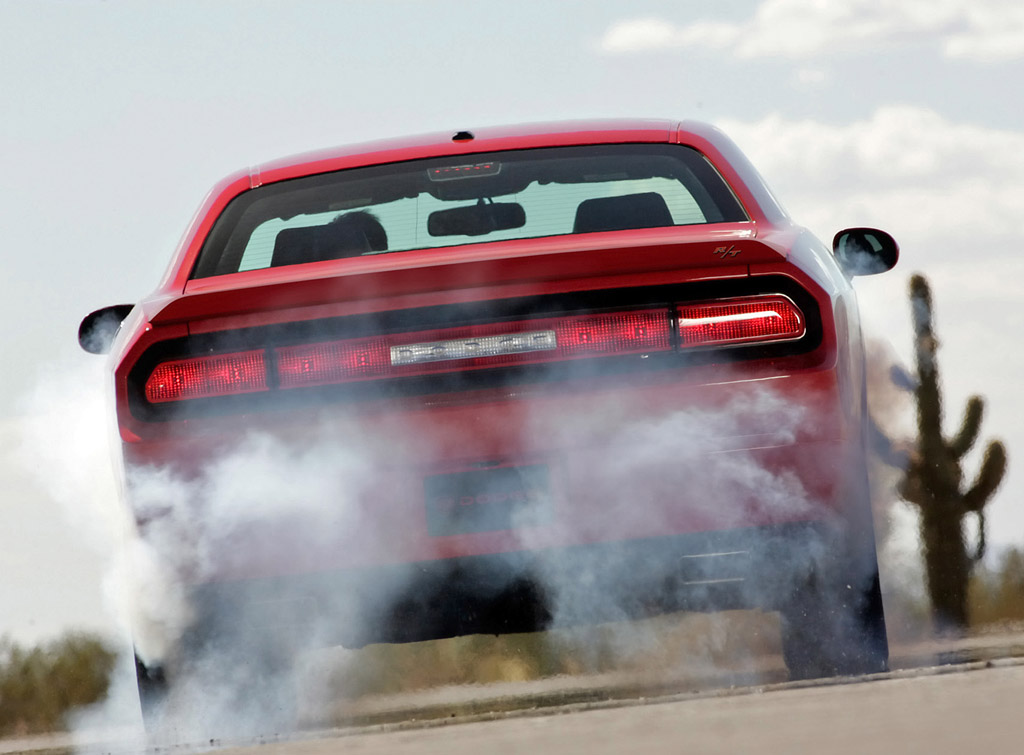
pixel 646 210
pixel 293 246
pixel 346 236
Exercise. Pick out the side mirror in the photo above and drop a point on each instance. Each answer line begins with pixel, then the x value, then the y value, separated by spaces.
pixel 97 331
pixel 865 251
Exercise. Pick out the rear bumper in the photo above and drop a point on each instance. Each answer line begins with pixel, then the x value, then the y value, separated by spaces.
pixel 755 567
pixel 323 491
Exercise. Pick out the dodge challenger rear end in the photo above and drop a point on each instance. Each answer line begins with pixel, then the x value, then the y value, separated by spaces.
pixel 590 371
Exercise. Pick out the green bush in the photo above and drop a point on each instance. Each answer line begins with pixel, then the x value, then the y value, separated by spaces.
pixel 40 685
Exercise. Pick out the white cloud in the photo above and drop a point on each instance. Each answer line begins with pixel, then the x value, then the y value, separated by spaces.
pixel 993 31
pixel 987 30
pixel 643 34
pixel 809 78
pixel 905 168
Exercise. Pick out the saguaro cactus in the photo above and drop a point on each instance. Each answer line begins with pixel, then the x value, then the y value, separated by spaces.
pixel 934 478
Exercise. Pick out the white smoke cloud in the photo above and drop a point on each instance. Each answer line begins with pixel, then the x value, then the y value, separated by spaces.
pixel 266 505
pixel 643 472
pixel 984 30
pixel 64 446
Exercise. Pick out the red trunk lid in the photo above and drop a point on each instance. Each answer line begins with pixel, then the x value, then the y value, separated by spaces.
pixel 466 273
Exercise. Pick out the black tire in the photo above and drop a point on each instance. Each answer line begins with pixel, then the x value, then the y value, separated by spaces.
pixel 830 628
pixel 153 688
pixel 251 690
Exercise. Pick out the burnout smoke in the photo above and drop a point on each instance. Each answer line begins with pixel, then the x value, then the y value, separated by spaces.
pixel 890 402
pixel 268 504
pixel 263 508
pixel 652 473
pixel 66 431
pixel 262 501
pixel 265 503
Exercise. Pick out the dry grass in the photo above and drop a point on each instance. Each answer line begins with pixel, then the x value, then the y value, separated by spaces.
pixel 39 686
pixel 997 593
pixel 667 645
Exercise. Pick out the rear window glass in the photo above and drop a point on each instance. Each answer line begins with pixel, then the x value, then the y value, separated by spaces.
pixel 466 199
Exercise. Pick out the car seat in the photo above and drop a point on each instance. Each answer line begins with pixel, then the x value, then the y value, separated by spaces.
pixel 646 210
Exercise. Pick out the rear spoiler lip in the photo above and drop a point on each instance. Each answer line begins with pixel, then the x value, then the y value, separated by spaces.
pixel 601 257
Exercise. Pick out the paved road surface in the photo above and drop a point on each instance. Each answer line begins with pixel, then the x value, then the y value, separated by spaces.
pixel 973 709
pixel 975 705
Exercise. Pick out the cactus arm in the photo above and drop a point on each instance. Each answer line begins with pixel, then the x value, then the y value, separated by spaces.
pixel 929 404
pixel 979 551
pixel 911 487
pixel 993 467
pixel 968 433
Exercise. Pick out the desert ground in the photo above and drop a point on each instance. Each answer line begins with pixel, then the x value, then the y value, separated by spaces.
pixel 941 696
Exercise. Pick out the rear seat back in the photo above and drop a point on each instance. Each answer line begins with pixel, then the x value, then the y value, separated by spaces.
pixel 646 210
pixel 347 235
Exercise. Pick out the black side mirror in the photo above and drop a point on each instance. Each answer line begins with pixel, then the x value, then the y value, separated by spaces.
pixel 97 331
pixel 865 251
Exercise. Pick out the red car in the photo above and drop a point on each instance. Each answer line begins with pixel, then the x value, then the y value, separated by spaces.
pixel 570 372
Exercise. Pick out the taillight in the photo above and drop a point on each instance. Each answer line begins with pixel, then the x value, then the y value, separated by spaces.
pixel 740 321
pixel 201 377
pixel 333 362
pixel 620 333
pixel 474 347
pixel 725 322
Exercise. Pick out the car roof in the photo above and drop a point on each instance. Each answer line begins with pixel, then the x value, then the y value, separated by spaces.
pixel 465 141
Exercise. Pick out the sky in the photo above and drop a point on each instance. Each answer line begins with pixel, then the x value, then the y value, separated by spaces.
pixel 119 115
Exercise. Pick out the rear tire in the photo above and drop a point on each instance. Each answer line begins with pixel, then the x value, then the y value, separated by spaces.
pixel 836 630
pixel 153 688
pixel 227 694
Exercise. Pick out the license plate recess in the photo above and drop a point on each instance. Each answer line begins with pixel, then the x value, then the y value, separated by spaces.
pixel 484 500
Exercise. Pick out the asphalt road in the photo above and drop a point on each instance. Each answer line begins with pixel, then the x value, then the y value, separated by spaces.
pixel 942 697
pixel 970 708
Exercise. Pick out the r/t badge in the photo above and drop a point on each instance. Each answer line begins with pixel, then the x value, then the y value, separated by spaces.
pixel 730 251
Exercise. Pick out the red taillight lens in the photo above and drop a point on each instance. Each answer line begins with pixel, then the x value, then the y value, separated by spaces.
pixel 739 321
pixel 619 333
pixel 202 377
pixel 754 319
pixel 334 362
pixel 474 347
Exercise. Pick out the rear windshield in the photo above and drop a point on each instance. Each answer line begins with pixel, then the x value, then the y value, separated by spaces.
pixel 466 199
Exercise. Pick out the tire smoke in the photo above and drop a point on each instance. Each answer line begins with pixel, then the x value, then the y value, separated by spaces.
pixel 265 510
